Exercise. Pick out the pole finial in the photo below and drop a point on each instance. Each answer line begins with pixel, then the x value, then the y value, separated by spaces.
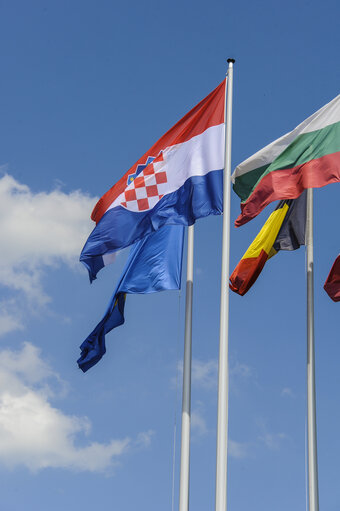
pixel 231 60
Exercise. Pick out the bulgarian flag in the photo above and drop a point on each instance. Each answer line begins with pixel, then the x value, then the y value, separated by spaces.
pixel 307 157
pixel 284 230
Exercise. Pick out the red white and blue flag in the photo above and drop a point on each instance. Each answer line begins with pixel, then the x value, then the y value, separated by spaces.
pixel 179 179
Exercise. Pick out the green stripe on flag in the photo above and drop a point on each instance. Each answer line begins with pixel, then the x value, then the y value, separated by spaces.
pixel 248 182
pixel 306 147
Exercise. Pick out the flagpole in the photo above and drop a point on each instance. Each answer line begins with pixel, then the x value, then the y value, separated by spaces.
pixel 223 370
pixel 186 399
pixel 313 489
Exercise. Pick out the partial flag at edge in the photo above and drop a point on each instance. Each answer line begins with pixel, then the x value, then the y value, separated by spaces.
pixel 332 284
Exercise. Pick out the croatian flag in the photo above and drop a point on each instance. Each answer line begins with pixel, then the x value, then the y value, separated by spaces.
pixel 177 181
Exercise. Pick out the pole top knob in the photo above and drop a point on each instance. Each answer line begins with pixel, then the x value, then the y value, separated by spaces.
pixel 231 60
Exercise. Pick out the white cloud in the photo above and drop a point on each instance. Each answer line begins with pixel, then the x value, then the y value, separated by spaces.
pixel 200 428
pixel 271 440
pixel 35 434
pixel 204 374
pixel 198 422
pixel 39 230
pixel 237 449
pixel 26 365
pixel 144 438
pixel 239 370
pixel 9 317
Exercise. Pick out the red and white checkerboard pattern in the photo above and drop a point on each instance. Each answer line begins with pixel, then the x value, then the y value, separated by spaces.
pixel 146 190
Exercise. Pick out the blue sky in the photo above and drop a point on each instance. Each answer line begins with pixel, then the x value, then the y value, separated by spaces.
pixel 86 87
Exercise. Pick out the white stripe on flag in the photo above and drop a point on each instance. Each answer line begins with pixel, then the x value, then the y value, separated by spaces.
pixel 327 115
pixel 196 157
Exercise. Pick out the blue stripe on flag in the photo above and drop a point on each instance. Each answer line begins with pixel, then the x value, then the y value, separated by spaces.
pixel 199 197
pixel 154 264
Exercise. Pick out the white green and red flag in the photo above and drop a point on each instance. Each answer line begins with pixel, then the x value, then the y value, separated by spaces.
pixel 307 157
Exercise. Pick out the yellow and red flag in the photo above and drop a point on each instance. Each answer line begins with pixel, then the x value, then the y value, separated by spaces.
pixel 284 230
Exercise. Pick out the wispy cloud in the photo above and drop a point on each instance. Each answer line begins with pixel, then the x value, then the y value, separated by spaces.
pixel 200 428
pixel 204 376
pixel 287 392
pixel 144 438
pixel 271 440
pixel 239 370
pixel 238 450
pixel 37 435
pixel 198 421
pixel 204 373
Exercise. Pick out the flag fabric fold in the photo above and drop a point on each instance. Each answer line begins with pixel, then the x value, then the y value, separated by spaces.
pixel 178 180
pixel 154 264
pixel 307 157
pixel 332 284
pixel 283 230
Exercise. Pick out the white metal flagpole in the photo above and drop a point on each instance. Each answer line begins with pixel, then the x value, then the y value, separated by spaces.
pixel 223 370
pixel 186 400
pixel 313 488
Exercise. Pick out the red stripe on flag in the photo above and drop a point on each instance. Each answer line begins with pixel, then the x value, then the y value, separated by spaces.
pixel 209 112
pixel 246 273
pixel 332 284
pixel 289 184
